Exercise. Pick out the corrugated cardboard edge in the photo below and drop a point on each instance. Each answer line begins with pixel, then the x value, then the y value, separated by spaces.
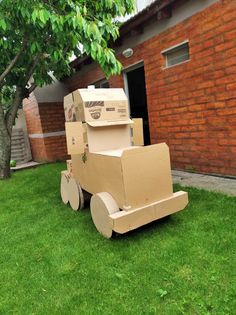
pixel 104 123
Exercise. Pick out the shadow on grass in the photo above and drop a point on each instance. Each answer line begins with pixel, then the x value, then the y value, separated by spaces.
pixel 154 226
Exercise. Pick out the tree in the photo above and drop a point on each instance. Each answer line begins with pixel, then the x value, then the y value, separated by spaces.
pixel 39 37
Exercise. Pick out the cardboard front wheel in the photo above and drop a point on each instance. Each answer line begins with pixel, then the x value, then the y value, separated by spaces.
pixel 102 205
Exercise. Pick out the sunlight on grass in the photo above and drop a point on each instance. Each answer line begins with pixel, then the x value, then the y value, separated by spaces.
pixel 53 261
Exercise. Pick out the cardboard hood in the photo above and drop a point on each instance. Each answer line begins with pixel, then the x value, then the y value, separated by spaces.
pixel 104 123
pixel 134 176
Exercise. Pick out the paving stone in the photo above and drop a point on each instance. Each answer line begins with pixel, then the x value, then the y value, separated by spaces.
pixel 208 182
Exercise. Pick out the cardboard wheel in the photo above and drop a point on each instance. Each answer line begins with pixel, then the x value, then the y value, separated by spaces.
pixel 102 205
pixel 74 194
pixel 64 187
pixel 87 196
pixel 81 195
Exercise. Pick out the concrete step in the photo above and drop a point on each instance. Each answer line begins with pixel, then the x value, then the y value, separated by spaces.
pixel 18 146
pixel 18 152
pixel 17 137
pixel 17 131
pixel 17 157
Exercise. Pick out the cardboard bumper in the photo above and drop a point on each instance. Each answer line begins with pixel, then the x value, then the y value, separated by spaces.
pixel 123 221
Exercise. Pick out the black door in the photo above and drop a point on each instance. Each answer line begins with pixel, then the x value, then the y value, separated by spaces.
pixel 138 98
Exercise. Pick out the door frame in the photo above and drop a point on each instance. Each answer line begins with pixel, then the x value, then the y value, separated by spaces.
pixel 126 70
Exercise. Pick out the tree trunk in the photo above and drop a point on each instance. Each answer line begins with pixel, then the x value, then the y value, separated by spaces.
pixel 5 153
pixel 6 123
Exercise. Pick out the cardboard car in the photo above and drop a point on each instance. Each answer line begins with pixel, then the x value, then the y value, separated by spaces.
pixel 130 184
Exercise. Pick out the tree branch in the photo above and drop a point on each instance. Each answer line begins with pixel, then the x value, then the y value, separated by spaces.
pixel 2 120
pixel 32 88
pixel 11 64
pixel 31 69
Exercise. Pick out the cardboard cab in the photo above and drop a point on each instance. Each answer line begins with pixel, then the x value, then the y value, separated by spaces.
pixel 130 184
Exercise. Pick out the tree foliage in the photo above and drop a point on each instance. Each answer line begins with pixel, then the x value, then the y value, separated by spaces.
pixel 45 34
pixel 39 37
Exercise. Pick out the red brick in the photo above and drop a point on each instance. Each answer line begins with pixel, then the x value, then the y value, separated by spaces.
pixel 224 46
pixel 231 86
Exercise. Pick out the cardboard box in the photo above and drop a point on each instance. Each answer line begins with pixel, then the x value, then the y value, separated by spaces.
pixel 93 105
pixel 70 109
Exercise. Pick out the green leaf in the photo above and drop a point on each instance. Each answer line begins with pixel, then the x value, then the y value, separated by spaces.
pixel 3 24
pixel 34 15
pixel 56 55
pixel 33 48
pixel 42 16
pixel 162 293
pixel 79 20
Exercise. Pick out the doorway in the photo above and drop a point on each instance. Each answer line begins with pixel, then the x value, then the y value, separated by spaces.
pixel 136 91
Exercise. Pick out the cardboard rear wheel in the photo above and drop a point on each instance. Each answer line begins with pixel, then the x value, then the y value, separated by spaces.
pixel 81 195
pixel 102 205
pixel 74 194
pixel 64 187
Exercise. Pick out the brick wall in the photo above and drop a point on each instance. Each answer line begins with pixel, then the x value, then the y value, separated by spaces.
pixel 192 106
pixel 32 116
pixel 44 121
pixel 53 121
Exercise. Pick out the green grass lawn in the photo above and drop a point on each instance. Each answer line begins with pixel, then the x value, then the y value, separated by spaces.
pixel 53 260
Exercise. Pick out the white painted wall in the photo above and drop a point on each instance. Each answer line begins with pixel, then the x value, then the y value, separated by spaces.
pixel 51 93
pixel 20 120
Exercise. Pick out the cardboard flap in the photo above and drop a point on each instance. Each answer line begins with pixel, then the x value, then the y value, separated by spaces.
pixel 74 137
pixel 137 131
pixel 117 152
pixel 103 123
pixel 91 95
pixel 68 99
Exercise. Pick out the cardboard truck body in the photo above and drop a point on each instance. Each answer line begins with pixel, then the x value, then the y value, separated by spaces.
pixel 131 185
